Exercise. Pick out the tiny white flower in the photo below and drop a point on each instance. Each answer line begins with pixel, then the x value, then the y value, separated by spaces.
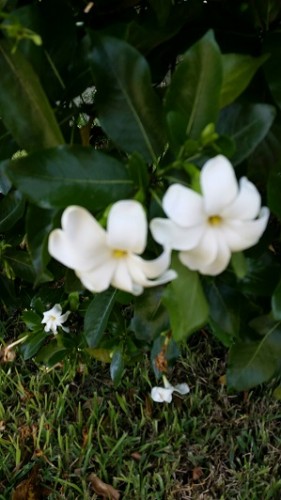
pixel 207 228
pixel 54 319
pixel 164 394
pixel 101 258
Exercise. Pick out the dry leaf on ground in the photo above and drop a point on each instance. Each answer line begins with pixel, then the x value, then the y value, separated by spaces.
pixel 105 490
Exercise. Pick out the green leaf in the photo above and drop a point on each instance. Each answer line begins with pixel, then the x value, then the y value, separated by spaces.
pixel 273 192
pixel 185 302
pixel 150 316
pixel 32 320
pixel 38 226
pixel 11 210
pixel 117 366
pixel 197 77
pixel 252 362
pixel 247 125
pixel 138 170
pixel 276 302
pixel 21 264
pixel 162 10
pixel 128 108
pixel 97 316
pixel 32 344
pixel 24 107
pixel 51 354
pixel 272 44
pixel 238 70
pixel 263 274
pixel 68 175
pixel 239 264
pixel 225 304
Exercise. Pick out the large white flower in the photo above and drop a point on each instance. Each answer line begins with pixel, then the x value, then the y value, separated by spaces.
pixel 53 318
pixel 164 394
pixel 100 258
pixel 207 228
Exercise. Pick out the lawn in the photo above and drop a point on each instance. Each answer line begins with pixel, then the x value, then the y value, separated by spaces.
pixel 60 429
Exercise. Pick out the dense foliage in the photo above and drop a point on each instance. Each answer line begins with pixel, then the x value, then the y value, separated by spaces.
pixel 114 100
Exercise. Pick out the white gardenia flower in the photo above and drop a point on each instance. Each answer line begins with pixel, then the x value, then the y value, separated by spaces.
pixel 164 394
pixel 54 319
pixel 207 228
pixel 101 258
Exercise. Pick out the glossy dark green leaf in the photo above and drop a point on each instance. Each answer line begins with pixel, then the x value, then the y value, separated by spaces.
pixel 128 108
pixel 97 316
pixel 274 190
pixel 21 264
pixel 11 210
pixel 138 172
pixel 247 125
pixel 9 298
pixel 51 354
pixel 149 36
pixel 39 223
pixel 238 71
pixel 69 175
pixel 150 316
pixel 32 344
pixel 24 107
pixel 224 303
pixel 272 69
pixel 263 274
pixel 267 155
pixel 117 366
pixel 162 10
pixel 52 59
pixel 252 362
pixel 32 320
pixel 276 302
pixel 197 77
pixel 185 301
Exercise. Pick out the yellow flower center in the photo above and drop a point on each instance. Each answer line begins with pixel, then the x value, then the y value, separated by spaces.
pixel 215 220
pixel 119 254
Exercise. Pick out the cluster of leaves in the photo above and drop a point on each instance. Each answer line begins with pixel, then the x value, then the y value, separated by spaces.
pixel 118 100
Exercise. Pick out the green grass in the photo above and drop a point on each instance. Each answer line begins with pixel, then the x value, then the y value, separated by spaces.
pixel 72 422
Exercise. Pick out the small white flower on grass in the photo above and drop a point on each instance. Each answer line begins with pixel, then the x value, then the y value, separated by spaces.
pixel 101 258
pixel 164 394
pixel 207 228
pixel 55 319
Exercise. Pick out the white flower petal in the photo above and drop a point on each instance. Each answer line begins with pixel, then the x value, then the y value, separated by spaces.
pixel 240 234
pixel 182 389
pixel 64 317
pixel 121 277
pixel 169 234
pixel 72 255
pixel 246 205
pixel 155 267
pixel 183 206
pixel 204 253
pixel 161 395
pixel 75 246
pixel 138 267
pixel 127 226
pixel 211 264
pixel 219 185
pixel 98 279
pixel 81 227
